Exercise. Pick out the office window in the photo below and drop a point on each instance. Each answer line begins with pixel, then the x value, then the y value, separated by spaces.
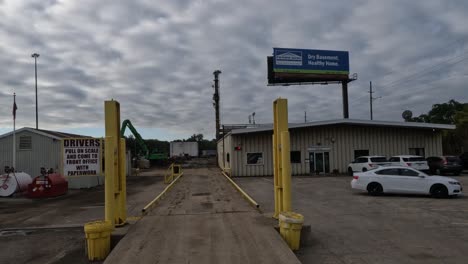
pixel 255 158
pixel 295 156
pixel 25 143
pixel 360 152
pixel 417 151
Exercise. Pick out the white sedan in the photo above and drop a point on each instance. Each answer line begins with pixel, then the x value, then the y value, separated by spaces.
pixel 398 179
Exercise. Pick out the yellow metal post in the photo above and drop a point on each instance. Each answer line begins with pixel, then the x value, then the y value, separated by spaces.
pixel 115 166
pixel 290 223
pixel 109 180
pixel 121 195
pixel 280 124
pixel 286 171
pixel 275 175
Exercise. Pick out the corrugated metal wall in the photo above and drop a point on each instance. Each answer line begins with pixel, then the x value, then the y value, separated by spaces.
pixel 45 152
pixel 228 148
pixel 255 142
pixel 342 141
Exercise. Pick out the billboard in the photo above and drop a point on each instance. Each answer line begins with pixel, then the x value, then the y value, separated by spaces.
pixel 305 65
pixel 81 156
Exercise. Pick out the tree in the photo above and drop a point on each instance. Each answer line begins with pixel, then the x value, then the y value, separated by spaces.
pixel 195 138
pixel 441 113
pixel 454 113
pixel 461 120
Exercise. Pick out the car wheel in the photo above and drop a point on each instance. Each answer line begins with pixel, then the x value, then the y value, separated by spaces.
pixel 439 191
pixel 350 171
pixel 374 188
pixel 364 169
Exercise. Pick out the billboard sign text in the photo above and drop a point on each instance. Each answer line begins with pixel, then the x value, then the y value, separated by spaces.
pixel 316 62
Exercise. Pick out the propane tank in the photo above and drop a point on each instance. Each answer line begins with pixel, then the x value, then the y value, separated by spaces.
pixel 12 182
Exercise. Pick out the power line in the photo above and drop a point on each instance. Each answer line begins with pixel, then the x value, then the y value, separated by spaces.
pixel 425 88
pixel 428 70
pixel 424 72
pixel 445 46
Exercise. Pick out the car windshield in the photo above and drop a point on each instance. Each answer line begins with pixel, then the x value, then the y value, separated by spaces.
pixel 453 159
pixel 379 159
pixel 414 159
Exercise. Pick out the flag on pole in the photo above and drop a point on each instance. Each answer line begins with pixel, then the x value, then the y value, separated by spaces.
pixel 14 108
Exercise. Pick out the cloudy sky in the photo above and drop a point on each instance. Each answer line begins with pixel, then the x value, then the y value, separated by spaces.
pixel 157 59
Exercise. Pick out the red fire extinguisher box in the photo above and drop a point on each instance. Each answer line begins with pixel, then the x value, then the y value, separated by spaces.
pixel 49 185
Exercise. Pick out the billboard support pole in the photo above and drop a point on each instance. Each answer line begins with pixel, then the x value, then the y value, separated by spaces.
pixel 344 85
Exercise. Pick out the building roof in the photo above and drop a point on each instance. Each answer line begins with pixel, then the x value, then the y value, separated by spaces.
pixel 348 122
pixel 47 133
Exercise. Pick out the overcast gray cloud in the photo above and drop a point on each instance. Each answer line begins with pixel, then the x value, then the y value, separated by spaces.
pixel 157 59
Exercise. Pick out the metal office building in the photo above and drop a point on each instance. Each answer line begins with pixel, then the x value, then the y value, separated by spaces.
pixel 40 148
pixel 327 146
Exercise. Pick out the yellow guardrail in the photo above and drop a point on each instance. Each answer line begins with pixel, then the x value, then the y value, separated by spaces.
pixel 246 195
pixel 227 171
pixel 171 177
pixel 174 170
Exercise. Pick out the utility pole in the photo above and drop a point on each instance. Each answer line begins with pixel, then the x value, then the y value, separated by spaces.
pixel 305 116
pixel 371 99
pixel 35 56
pixel 216 100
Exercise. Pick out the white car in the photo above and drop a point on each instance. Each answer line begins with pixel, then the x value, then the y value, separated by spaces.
pixel 365 163
pixel 415 162
pixel 398 179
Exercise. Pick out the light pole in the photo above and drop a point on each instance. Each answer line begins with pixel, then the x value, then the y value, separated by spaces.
pixel 35 56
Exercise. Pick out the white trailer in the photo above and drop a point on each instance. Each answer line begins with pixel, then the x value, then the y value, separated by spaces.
pixel 184 149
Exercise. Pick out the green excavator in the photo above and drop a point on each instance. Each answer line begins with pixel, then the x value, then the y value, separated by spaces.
pixel 153 156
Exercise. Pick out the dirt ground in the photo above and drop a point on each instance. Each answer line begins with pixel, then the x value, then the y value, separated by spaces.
pixel 51 230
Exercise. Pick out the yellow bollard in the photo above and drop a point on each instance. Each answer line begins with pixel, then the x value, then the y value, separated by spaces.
pixel 98 239
pixel 121 195
pixel 286 171
pixel 290 228
pixel 115 202
pixel 280 157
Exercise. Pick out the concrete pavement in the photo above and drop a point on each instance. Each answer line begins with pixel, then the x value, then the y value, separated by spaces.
pixel 203 220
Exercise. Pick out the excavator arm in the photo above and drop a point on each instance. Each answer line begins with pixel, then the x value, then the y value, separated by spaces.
pixel 126 123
